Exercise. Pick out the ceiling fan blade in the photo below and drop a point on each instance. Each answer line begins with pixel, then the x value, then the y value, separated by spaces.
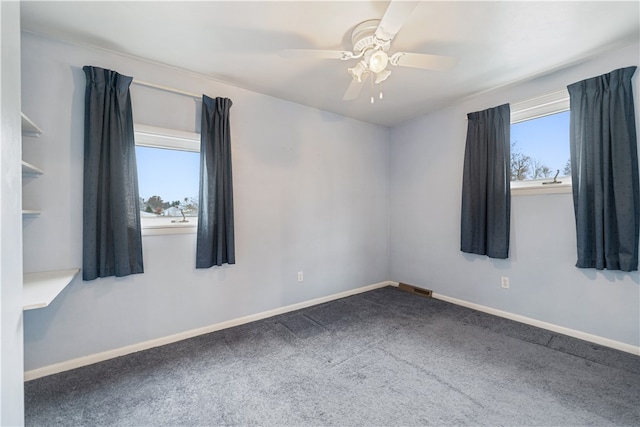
pixel 313 54
pixel 397 12
pixel 423 60
pixel 354 88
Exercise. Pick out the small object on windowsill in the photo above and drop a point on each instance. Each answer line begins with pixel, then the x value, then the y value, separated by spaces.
pixel 184 219
pixel 555 180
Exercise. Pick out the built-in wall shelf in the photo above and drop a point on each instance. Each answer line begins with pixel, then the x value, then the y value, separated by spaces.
pixel 40 289
pixel 28 168
pixel 29 128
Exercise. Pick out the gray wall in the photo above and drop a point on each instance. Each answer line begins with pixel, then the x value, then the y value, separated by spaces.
pixel 310 195
pixel 425 197
pixel 348 203
pixel 11 351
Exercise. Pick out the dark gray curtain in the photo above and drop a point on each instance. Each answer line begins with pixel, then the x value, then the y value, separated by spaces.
pixel 486 192
pixel 215 241
pixel 604 169
pixel 112 245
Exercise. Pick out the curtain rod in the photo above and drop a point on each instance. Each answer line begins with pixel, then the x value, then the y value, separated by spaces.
pixel 168 89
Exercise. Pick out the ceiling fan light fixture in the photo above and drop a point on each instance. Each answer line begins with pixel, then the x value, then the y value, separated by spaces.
pixel 358 70
pixel 382 76
pixel 378 61
pixel 371 50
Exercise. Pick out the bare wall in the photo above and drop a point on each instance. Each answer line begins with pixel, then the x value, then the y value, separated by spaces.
pixel 425 198
pixel 310 195
pixel 11 319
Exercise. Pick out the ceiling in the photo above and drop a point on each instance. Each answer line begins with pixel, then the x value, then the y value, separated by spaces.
pixel 497 43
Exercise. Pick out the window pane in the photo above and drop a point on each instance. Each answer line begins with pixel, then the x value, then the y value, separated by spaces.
pixel 168 182
pixel 540 147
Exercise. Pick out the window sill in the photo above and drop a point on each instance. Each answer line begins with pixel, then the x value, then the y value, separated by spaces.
pixel 158 230
pixel 536 188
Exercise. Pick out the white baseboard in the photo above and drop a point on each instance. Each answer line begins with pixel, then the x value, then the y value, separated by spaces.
pixel 110 354
pixel 543 325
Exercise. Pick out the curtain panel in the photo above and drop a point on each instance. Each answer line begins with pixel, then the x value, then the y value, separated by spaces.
pixel 486 191
pixel 604 169
pixel 215 239
pixel 112 243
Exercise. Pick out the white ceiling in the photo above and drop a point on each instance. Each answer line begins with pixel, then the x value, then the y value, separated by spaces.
pixel 496 43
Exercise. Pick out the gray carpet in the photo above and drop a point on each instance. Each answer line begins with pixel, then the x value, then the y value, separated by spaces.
pixel 381 358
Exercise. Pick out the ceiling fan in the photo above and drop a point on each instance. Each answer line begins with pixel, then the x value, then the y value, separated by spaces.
pixel 371 43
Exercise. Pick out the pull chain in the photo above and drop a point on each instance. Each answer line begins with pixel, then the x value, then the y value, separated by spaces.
pixel 372 91
pixel 372 101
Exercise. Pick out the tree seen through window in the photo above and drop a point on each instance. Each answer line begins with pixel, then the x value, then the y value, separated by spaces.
pixel 540 148
pixel 168 182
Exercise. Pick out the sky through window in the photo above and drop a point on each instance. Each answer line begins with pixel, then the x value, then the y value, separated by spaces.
pixel 544 140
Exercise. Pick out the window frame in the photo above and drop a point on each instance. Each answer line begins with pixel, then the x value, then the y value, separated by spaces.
pixel 531 109
pixel 171 139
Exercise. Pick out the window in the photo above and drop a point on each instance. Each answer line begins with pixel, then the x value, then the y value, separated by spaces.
pixel 168 164
pixel 540 159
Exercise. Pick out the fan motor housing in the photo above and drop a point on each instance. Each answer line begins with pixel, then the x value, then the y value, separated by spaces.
pixel 363 36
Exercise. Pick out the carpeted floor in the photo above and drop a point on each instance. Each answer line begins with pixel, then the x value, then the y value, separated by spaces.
pixel 381 358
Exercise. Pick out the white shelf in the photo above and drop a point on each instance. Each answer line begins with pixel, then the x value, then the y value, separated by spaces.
pixel 28 168
pixel 29 128
pixel 39 289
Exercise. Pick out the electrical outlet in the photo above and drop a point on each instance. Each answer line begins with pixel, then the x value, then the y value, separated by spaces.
pixel 505 282
pixel 300 276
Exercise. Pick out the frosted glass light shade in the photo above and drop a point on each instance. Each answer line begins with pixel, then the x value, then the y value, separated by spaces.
pixel 382 76
pixel 378 61
pixel 357 71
